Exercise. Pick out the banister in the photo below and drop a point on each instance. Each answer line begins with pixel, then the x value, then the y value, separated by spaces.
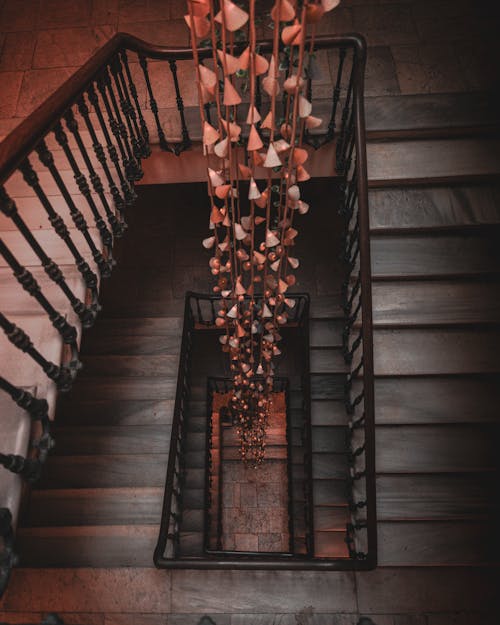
pixel 22 140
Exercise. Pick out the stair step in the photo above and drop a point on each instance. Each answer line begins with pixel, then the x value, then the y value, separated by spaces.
pixel 134 345
pixel 124 389
pixel 328 412
pixel 414 256
pixel 88 546
pixel 434 400
pixel 329 439
pixel 16 301
pixel 331 465
pixel 191 544
pixel 110 471
pixel 327 386
pixel 406 160
pixel 110 440
pixel 114 412
pixel 436 351
pixel 434 207
pixel 327 360
pixel 434 497
pixel 330 544
pixel 443 302
pixel 50 240
pixel 94 506
pixel 326 307
pixel 128 329
pixel 429 110
pixel 128 366
pixel 435 448
pixel 328 518
pixel 326 332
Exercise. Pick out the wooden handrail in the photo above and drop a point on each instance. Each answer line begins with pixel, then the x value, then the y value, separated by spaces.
pixel 22 140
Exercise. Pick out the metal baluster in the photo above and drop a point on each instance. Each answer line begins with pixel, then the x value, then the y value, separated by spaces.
pixel 86 314
pixel 164 145
pixel 101 156
pixel 134 161
pixel 116 226
pixel 8 558
pixel 133 91
pixel 47 159
pixel 61 375
pixel 38 410
pixel 31 286
pixel 29 469
pixel 186 141
pixel 127 109
pixel 343 128
pixel 127 189
pixel 31 178
pixel 330 133
pixel 128 163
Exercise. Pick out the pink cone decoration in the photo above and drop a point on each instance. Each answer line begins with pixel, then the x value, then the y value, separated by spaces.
pixel 253 234
pixel 210 134
pixel 253 115
pixel 272 158
pixel 234 17
pixel 231 96
pixel 230 62
pixel 254 141
pixel 253 191
pixel 215 177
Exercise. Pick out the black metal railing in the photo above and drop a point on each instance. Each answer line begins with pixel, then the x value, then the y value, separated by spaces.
pixel 78 156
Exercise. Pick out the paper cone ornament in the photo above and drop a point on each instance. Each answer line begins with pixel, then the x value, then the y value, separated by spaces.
pixel 299 156
pixel 229 62
pixel 244 58
pixel 200 8
pixel 270 86
pixel 232 129
pixel 314 13
pixel 275 266
pixel 272 158
pixel 254 140
pixel 291 35
pixel 290 84
pixel 215 177
pixel 231 96
pixel 224 245
pixel 210 134
pixel 239 232
pixel 253 115
pixel 302 174
pixel 328 5
pixel 271 239
pixel 286 11
pixel 257 158
pixel 241 254
pixel 245 172
pixel 208 242
pixel 291 233
pixel 303 207
pixel 239 289
pixel 253 191
pixel 221 148
pixel 294 192
pixel 201 25
pixel 207 95
pixel 227 220
pixel 290 302
pixel 226 293
pixel 216 217
pixel 232 313
pixel 234 17
pixel 268 121
pixel 260 370
pixel 281 146
pixel 223 339
pixel 261 65
pixel 259 258
pixel 313 122
pixel 222 191
pixel 305 107
pixel 294 262
pixel 261 203
pixel 208 78
pixel 282 286
pixel 266 313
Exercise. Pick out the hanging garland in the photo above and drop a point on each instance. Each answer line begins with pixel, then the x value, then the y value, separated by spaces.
pixel 252 224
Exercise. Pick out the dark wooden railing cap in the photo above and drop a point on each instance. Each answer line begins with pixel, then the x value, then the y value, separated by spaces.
pixel 22 140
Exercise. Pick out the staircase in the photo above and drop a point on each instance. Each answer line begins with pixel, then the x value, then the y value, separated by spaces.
pixel 434 232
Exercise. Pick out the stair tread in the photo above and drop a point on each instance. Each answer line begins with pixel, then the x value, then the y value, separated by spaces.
pixel 432 158
pixel 139 366
pixel 444 206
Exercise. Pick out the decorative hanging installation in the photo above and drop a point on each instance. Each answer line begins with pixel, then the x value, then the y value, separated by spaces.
pixel 252 222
